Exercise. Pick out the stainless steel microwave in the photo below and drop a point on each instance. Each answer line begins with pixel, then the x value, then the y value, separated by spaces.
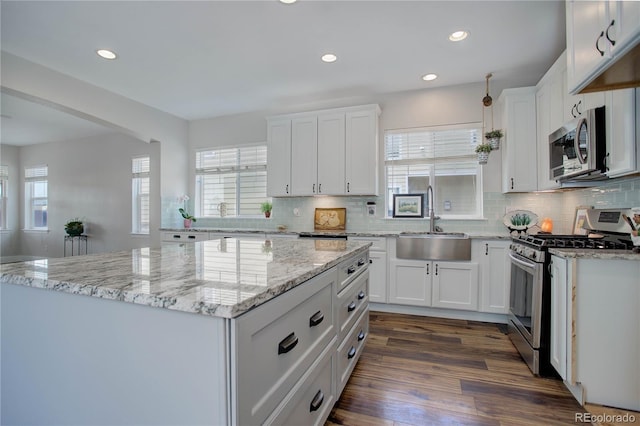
pixel 577 150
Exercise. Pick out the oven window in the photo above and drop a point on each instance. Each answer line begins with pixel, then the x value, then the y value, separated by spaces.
pixel 521 300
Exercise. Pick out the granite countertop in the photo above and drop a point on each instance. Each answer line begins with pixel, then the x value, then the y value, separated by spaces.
pixel 375 234
pixel 222 278
pixel 571 253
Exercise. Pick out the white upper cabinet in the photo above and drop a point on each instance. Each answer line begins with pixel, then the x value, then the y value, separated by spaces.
pixel 598 33
pixel 362 152
pixel 304 164
pixel 621 112
pixel 331 162
pixel 519 150
pixel 279 158
pixel 331 152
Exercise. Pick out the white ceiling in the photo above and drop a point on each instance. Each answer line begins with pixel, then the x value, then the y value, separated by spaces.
pixel 199 59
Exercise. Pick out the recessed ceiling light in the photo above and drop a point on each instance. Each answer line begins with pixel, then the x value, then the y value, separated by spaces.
pixel 329 57
pixel 458 35
pixel 429 77
pixel 106 54
pixel 288 1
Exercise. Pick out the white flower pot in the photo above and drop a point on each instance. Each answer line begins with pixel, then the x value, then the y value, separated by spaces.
pixel 495 143
pixel 483 157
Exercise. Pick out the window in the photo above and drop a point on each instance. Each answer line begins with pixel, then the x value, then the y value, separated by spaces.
pixel 443 157
pixel 35 197
pixel 231 182
pixel 140 195
pixel 4 183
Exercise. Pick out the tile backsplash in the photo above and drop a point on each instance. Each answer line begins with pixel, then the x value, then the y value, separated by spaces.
pixel 297 212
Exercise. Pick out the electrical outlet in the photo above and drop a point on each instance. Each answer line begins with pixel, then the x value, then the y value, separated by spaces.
pixel 296 212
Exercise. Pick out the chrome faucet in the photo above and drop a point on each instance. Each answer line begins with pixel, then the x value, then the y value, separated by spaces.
pixel 432 213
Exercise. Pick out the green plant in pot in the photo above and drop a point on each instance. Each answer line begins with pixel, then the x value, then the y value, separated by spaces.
pixel 74 227
pixel 483 151
pixel 494 138
pixel 266 208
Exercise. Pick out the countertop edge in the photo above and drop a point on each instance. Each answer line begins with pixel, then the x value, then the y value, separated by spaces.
pixel 173 302
pixel 595 254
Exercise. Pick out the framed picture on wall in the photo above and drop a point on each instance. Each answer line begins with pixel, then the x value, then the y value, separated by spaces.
pixel 408 205
pixel 578 220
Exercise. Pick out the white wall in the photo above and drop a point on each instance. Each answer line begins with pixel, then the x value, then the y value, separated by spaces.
pixel 91 179
pixel 9 237
pixel 34 82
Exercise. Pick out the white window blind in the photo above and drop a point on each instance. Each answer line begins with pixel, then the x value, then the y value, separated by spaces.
pixel 36 197
pixel 140 189
pixel 231 181
pixel 443 157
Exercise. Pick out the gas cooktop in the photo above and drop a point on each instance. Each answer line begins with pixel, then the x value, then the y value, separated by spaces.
pixel 546 241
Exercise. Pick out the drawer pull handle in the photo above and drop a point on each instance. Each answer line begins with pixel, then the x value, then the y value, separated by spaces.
pixel 176 236
pixel 352 352
pixel 192 237
pixel 287 344
pixel 316 402
pixel 351 307
pixel 360 262
pixel 361 336
pixel 316 319
pixel 361 295
pixel 351 269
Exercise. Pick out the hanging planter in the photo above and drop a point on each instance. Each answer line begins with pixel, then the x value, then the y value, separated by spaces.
pixel 483 150
pixel 493 138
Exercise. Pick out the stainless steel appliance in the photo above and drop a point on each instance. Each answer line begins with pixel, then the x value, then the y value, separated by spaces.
pixel 530 299
pixel 577 151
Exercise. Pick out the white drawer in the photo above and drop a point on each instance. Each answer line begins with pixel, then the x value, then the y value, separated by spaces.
pixel 351 303
pixel 350 350
pixel 185 237
pixel 378 243
pixel 349 269
pixel 276 344
pixel 311 400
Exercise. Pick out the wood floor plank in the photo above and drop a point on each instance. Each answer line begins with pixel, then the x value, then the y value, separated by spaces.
pixel 433 371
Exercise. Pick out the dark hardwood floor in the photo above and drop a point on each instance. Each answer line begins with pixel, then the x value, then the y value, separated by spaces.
pixel 430 371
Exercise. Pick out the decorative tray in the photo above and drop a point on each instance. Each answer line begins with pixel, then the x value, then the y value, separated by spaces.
pixel 519 220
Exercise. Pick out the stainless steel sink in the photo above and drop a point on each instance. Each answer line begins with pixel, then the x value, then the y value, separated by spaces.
pixel 433 246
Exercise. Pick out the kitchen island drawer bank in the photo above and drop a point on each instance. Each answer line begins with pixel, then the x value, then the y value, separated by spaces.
pixel 188 334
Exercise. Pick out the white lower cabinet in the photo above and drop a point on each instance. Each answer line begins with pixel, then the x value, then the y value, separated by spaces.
pixel 377 267
pixel 439 284
pixel 595 338
pixel 492 257
pixel 350 349
pixel 558 338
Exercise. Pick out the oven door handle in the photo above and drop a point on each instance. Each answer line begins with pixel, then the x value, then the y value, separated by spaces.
pixel 529 266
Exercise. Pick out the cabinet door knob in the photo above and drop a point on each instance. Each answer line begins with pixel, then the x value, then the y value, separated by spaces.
pixel 316 402
pixel 316 319
pixel 613 42
pixel 601 52
pixel 352 352
pixel 287 344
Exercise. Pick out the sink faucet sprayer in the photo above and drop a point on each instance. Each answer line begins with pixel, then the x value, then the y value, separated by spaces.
pixel 432 213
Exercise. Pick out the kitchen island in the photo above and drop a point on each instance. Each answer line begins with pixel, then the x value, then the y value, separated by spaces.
pixel 227 331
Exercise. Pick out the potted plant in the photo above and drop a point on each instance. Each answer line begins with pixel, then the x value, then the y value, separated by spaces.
pixel 188 219
pixel 266 208
pixel 74 227
pixel 494 138
pixel 483 151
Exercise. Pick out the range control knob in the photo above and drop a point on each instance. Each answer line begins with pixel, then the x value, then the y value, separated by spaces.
pixel 534 255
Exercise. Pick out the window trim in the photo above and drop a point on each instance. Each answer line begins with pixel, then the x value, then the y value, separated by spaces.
pixel 235 169
pixel 138 204
pixel 28 200
pixel 430 163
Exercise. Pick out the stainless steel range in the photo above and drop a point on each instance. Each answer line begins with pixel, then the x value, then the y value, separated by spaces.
pixel 530 300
